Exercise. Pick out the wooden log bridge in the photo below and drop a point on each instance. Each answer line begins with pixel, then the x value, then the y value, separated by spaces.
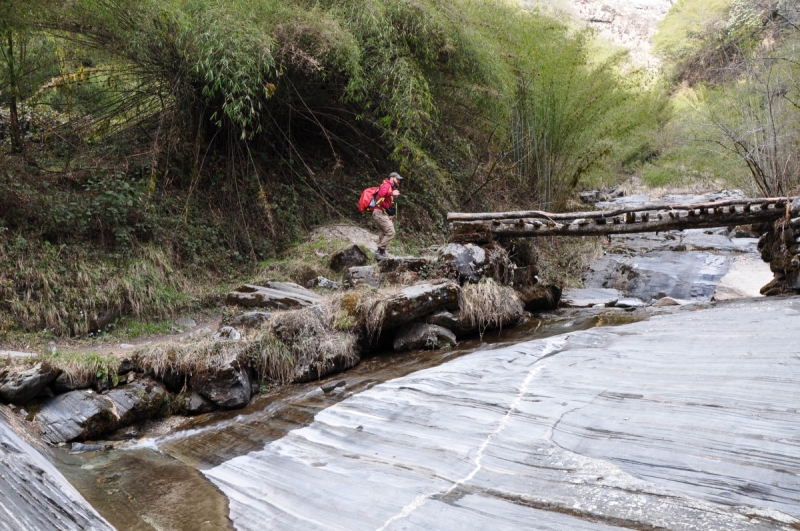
pixel 487 226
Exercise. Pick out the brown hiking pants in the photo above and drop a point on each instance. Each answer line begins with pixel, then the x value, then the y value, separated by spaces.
pixel 385 228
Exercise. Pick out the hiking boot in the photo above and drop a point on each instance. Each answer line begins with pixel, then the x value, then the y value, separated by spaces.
pixel 380 254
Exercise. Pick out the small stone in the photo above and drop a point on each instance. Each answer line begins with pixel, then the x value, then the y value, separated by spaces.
pixel 200 332
pixel 416 336
pixel 667 301
pixel 186 322
pixel 228 386
pixel 331 386
pixel 126 346
pixel 251 319
pixel 227 333
pixel 323 283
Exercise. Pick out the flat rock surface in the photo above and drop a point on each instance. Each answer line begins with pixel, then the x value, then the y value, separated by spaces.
pixel 33 494
pixel 275 295
pixel 687 421
pixel 587 297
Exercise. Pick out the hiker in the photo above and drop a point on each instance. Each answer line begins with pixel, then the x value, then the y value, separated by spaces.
pixel 384 212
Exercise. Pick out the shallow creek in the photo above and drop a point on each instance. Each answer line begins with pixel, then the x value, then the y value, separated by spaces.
pixel 156 483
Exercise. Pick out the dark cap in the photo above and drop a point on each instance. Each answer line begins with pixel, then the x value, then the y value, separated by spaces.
pixel 396 176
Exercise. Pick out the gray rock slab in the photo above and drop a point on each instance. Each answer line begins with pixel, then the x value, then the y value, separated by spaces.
pixel 34 495
pixel 687 421
pixel 686 275
pixel 276 295
pixel 357 276
pixel 417 301
pixel 468 261
pixel 251 319
pixel 86 414
pixel 588 297
pixel 19 386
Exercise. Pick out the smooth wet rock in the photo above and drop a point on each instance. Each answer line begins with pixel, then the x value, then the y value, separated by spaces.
pixel 419 336
pixel 349 257
pixel 228 386
pixel 276 295
pixel 365 275
pixel 34 495
pixel 588 297
pixel 417 301
pixel 80 415
pixel 690 275
pixel 251 319
pixel 197 404
pixel 685 422
pixel 227 333
pixel 19 386
pixel 466 262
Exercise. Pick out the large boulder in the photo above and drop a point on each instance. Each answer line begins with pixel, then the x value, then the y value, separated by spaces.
pixel 19 386
pixel 81 415
pixel 351 256
pixel 365 275
pixel 417 336
pixel 417 301
pixel 228 386
pixel 275 295
pixel 469 263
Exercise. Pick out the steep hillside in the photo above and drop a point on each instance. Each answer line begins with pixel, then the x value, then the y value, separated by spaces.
pixel 628 24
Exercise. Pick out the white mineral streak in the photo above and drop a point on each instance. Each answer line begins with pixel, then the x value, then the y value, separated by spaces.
pixel 684 422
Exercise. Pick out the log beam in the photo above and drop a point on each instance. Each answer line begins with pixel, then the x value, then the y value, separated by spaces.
pixel 689 217
pixel 775 202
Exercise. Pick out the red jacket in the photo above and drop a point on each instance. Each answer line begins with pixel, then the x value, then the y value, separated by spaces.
pixel 385 198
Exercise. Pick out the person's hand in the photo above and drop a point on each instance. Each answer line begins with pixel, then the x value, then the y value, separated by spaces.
pixel 395 193
pixel 391 218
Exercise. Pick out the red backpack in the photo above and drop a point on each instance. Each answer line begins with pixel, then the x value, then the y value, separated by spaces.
pixel 368 199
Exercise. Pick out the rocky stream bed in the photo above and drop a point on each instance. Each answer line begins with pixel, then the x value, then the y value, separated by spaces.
pixel 664 398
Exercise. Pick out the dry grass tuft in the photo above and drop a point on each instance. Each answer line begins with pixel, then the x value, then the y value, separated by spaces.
pixel 312 341
pixel 487 305
pixel 77 294
pixel 365 307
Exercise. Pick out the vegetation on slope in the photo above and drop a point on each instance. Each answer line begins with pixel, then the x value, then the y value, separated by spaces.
pixel 199 138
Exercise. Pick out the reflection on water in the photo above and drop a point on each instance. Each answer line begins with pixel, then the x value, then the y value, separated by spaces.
pixel 155 483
